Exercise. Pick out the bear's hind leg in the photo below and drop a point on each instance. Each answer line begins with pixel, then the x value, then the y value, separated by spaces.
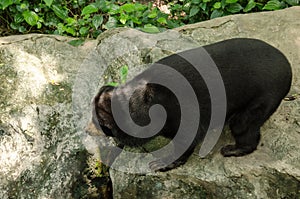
pixel 244 144
pixel 245 128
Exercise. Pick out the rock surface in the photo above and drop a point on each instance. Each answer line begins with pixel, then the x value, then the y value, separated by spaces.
pixel 42 155
pixel 45 94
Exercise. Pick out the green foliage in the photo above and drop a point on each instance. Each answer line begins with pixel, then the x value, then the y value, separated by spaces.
pixel 79 18
pixel 191 11
pixel 123 76
pixel 86 18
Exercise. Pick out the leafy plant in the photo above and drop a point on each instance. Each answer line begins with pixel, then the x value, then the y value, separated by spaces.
pixel 191 11
pixel 79 18
pixel 86 18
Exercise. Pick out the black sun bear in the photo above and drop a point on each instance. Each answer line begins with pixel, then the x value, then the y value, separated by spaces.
pixel 256 78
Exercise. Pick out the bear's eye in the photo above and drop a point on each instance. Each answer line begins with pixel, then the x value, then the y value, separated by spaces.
pixel 106 131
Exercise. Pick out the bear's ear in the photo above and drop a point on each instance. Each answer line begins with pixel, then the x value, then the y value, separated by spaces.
pixel 101 108
pixel 148 92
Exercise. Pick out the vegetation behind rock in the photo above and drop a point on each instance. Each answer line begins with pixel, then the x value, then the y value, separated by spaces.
pixel 88 18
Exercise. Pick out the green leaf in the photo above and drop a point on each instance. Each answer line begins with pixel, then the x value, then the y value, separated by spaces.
pixel 194 10
pixel 216 13
pixel 39 25
pixel 96 33
pixel 260 5
pixel 30 17
pixel 136 20
pixel 21 29
pixel 14 26
pixel 113 9
pixel 123 73
pixel 97 21
pixel 112 84
pixel 76 42
pixel 86 17
pixel 111 23
pixel 81 22
pixel 84 30
pixel 292 2
pixel 231 1
pixel 60 12
pixel 89 9
pixel 123 18
pixel 251 4
pixel 234 8
pixel 48 2
pixel 129 7
pixel 196 1
pixel 203 6
pixel 60 28
pixel 101 4
pixel 176 7
pixel 71 21
pixel 18 18
pixel 162 20
pixel 173 24
pixel 149 28
pixel 139 7
pixel 217 5
pixel 187 6
pixel 152 14
pixel 70 31
pixel 272 5
pixel 24 6
pixel 6 3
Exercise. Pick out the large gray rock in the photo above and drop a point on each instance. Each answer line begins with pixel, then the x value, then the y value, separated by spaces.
pixel 45 94
pixel 41 151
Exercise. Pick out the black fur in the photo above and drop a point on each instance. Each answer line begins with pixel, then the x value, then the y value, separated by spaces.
pixel 256 77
